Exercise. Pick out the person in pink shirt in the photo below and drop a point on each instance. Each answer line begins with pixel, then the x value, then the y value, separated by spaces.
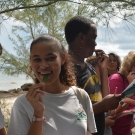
pixel 114 63
pixel 122 126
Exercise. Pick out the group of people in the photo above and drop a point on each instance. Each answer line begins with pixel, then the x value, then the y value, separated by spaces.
pixel 119 77
pixel 76 94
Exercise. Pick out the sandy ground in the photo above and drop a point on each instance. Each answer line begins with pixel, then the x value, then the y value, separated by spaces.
pixel 9 98
pixel 11 95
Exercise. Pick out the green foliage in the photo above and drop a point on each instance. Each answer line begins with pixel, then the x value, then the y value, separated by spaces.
pixel 104 12
pixel 49 16
pixel 15 65
pixel 33 22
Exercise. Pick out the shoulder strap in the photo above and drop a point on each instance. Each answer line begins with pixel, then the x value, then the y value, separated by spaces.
pixel 81 95
pixel 121 76
pixel 122 79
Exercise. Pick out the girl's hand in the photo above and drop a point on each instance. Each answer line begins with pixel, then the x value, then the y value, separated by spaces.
pixel 123 104
pixel 109 121
pixel 34 96
pixel 128 100
pixel 131 77
pixel 121 107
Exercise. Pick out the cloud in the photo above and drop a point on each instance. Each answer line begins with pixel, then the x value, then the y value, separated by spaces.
pixel 119 39
pixel 108 47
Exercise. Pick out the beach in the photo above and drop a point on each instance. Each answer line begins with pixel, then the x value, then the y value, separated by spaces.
pixel 6 102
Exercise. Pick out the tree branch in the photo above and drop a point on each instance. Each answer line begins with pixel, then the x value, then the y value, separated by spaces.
pixel 33 6
pixel 123 1
pixel 44 5
pixel 31 30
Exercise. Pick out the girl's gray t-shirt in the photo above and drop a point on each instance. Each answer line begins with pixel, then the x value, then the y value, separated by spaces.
pixel 63 112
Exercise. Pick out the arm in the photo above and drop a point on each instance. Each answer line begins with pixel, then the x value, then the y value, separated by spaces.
pixel 109 102
pixel 36 128
pixel 104 83
pixel 102 59
pixel 34 96
pixel 123 104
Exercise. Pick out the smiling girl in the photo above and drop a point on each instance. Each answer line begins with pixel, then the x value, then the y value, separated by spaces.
pixel 51 107
pixel 114 63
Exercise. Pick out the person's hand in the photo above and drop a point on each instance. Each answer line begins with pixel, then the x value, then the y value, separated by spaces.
pixel 111 102
pixel 123 104
pixel 109 121
pixel 131 77
pixel 121 107
pixel 34 96
pixel 128 101
pixel 102 58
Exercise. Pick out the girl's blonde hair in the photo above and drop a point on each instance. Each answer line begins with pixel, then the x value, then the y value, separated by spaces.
pixel 127 63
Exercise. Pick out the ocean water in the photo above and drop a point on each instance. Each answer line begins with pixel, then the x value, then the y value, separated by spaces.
pixel 12 82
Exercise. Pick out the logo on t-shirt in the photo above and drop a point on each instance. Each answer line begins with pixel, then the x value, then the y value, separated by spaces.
pixel 81 114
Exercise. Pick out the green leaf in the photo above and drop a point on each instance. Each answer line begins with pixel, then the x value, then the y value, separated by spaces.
pixel 45 78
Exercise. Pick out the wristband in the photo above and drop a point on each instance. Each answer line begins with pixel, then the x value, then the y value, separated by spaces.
pixel 38 119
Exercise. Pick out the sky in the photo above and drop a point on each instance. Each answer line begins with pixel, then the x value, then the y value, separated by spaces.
pixel 121 39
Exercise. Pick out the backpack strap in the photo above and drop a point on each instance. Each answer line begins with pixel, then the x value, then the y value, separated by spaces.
pixel 81 95
pixel 122 79
pixel 121 76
